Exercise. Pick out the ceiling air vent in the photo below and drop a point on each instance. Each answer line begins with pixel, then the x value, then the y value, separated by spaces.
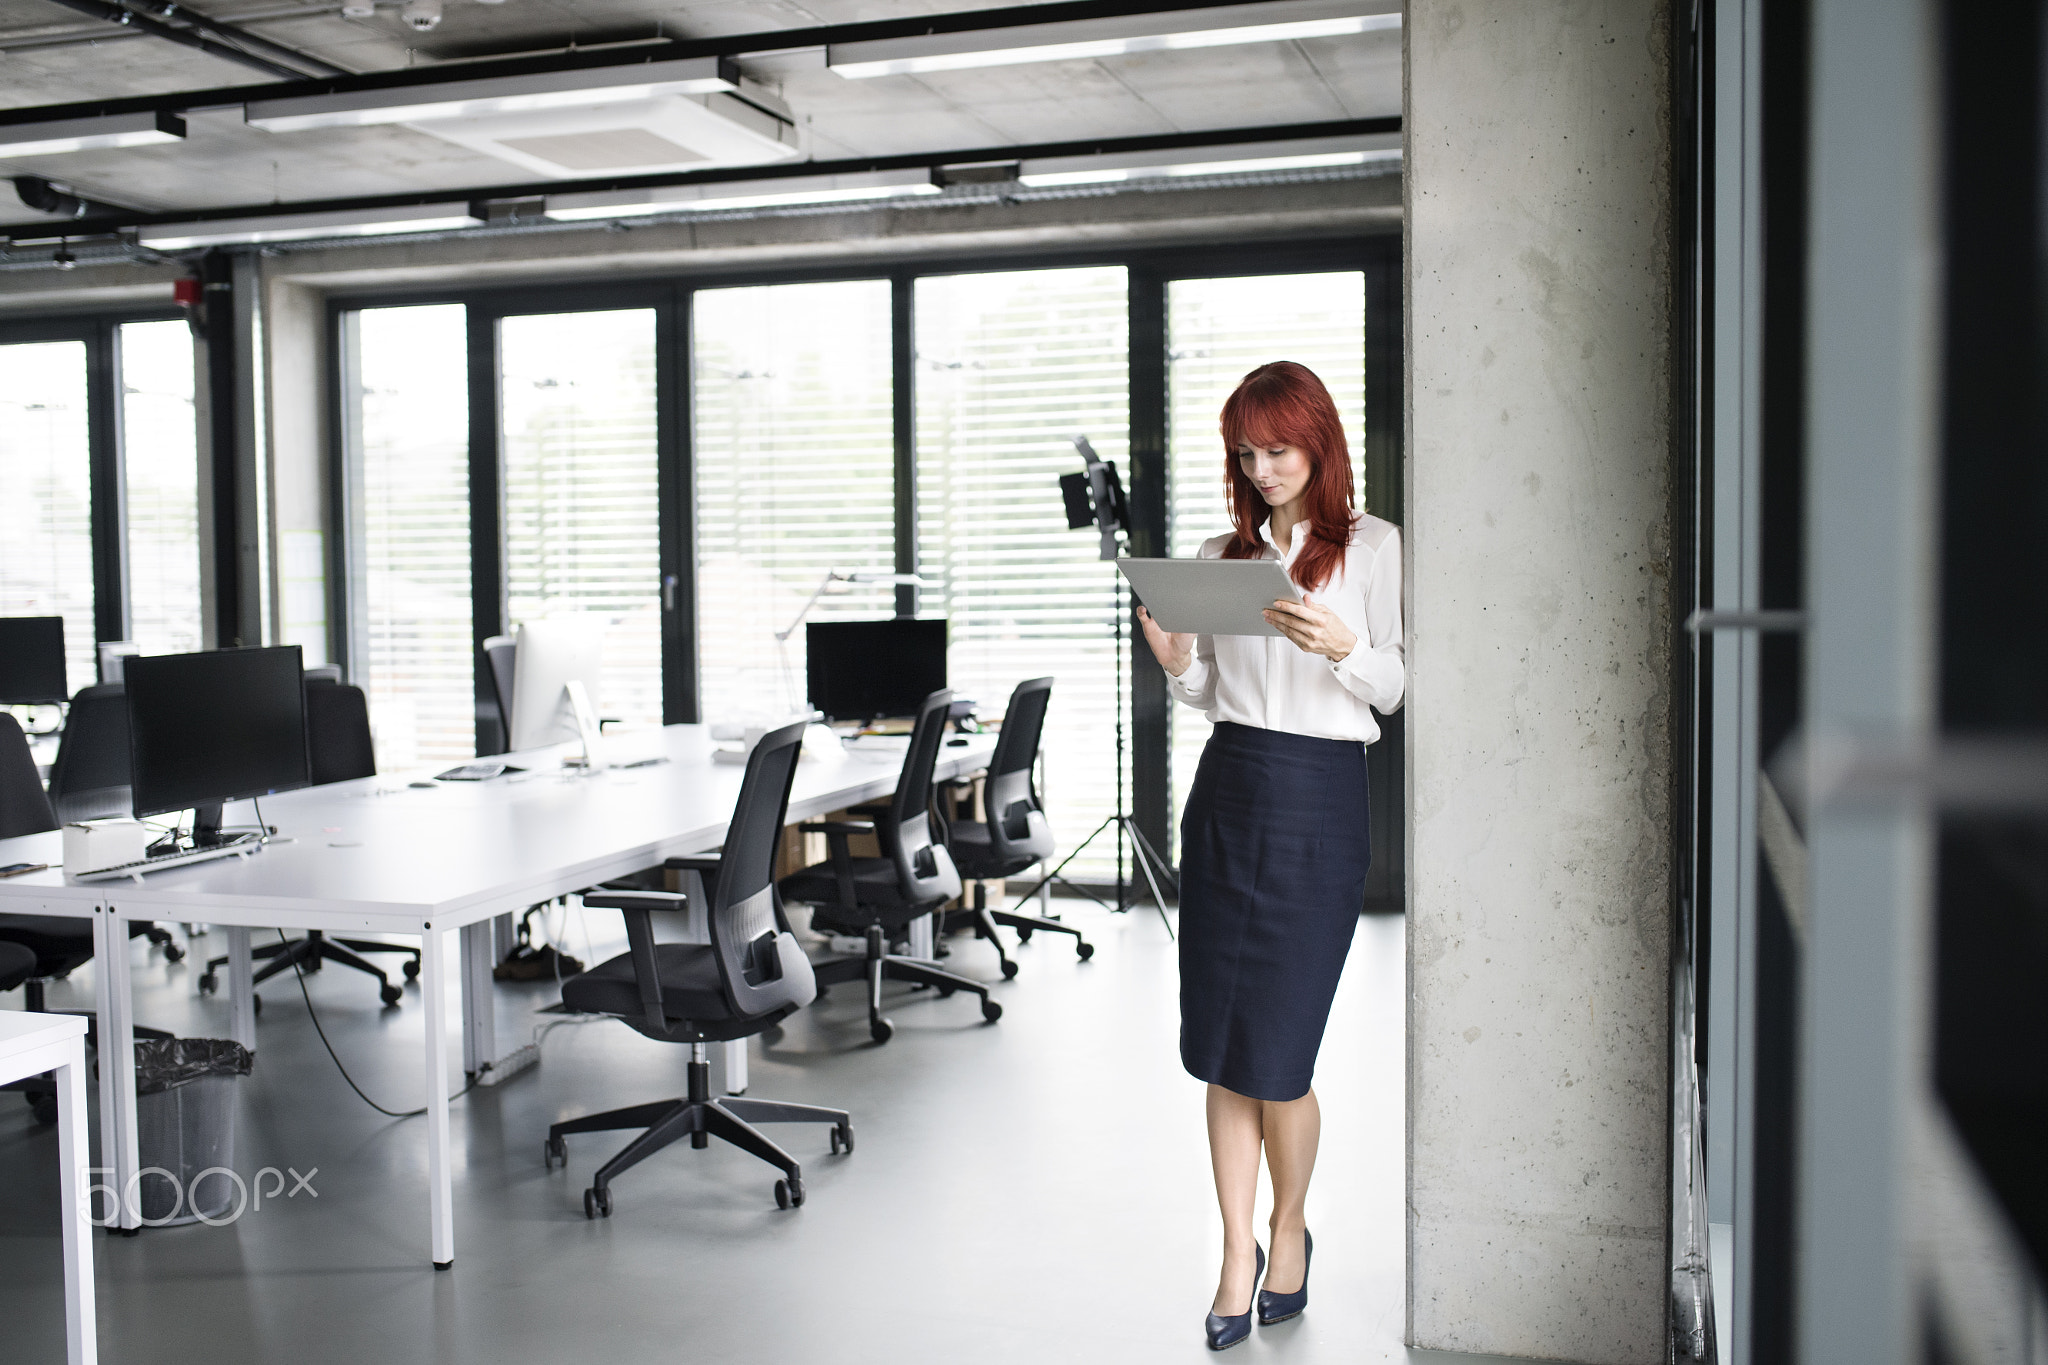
pixel 669 132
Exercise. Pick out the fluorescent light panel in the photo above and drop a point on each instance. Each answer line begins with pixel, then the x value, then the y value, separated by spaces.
pixel 742 194
pixel 350 223
pixel 89 134
pixel 1250 157
pixel 497 95
pixel 1223 26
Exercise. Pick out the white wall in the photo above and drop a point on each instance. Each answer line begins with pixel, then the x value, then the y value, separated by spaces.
pixel 1538 202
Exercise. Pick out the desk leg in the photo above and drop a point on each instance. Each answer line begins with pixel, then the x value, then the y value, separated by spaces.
pixel 440 1194
pixel 503 938
pixel 479 1005
pixel 241 988
pixel 81 1321
pixel 736 1066
pixel 117 1061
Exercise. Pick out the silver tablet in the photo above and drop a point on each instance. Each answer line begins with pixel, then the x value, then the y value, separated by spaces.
pixel 1209 596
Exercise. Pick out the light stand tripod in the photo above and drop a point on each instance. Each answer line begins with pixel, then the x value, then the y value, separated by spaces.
pixel 1096 498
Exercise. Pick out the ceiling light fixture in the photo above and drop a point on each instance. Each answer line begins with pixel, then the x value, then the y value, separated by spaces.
pixel 497 95
pixel 88 134
pixel 1222 26
pixel 343 223
pixel 1244 158
pixel 743 194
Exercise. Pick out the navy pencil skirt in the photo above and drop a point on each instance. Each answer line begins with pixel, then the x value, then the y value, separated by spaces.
pixel 1274 848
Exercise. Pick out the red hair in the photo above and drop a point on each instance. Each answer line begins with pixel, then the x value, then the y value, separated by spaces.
pixel 1284 404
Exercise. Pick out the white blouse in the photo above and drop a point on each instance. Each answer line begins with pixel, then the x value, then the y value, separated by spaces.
pixel 1270 682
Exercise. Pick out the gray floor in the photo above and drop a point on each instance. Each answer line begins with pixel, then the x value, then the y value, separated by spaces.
pixel 1028 1191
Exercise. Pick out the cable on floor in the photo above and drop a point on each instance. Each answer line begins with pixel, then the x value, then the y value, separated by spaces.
pixel 300 972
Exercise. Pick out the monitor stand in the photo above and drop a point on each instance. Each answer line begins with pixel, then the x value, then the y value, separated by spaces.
pixel 587 726
pixel 206 826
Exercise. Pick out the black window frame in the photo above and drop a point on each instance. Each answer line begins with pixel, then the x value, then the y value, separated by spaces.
pixel 1378 255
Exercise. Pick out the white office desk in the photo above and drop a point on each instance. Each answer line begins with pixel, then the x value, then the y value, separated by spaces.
pixel 31 1044
pixel 380 856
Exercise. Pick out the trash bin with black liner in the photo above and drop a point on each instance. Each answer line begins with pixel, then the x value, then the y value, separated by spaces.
pixel 185 1128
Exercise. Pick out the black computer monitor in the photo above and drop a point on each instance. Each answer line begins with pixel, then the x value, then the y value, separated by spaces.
pixel 31 660
pixel 215 727
pixel 859 670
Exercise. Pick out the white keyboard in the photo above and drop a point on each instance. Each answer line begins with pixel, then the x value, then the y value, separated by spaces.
pixel 240 846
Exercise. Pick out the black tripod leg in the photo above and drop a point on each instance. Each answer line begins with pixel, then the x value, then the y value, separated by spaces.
pixel 1145 855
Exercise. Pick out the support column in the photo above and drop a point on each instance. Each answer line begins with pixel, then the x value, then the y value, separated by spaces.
pixel 1538 181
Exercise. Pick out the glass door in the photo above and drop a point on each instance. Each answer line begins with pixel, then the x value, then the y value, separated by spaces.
pixel 46 560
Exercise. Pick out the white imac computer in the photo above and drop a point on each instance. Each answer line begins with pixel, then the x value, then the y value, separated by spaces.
pixel 556 674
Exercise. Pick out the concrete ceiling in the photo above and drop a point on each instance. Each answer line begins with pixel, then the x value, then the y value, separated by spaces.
pixel 51 54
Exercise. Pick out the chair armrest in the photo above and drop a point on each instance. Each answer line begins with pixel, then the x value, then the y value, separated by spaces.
pixel 636 900
pixel 702 862
pixel 872 810
pixel 839 827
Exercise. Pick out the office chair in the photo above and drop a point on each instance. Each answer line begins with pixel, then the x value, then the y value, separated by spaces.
pixel 17 964
pixel 749 977
pixel 1016 834
pixel 501 654
pixel 339 749
pixel 53 944
pixel 879 897
pixel 89 780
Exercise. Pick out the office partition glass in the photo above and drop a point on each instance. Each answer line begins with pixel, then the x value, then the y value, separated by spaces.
pixel 1218 330
pixel 406 416
pixel 160 456
pixel 582 533
pixel 794 460
pixel 1009 367
pixel 46 515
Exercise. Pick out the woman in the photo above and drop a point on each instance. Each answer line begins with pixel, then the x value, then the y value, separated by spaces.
pixel 1274 840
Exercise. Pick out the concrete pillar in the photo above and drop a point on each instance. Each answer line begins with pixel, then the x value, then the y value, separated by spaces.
pixel 1538 181
pixel 295 372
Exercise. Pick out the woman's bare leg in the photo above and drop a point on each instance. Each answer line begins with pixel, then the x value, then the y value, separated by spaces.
pixel 1292 1129
pixel 1234 1134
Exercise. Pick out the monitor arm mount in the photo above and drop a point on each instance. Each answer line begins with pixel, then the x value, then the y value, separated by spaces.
pixel 904 580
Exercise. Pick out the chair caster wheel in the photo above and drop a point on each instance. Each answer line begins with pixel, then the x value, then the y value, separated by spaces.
pixel 1084 951
pixel 173 953
pixel 990 1010
pixel 842 1139
pixel 1009 970
pixel 789 1194
pixel 597 1203
pixel 881 1030
pixel 390 993
pixel 945 992
pixel 412 969
pixel 1023 934
pixel 553 1150
pixel 208 983
pixel 255 1003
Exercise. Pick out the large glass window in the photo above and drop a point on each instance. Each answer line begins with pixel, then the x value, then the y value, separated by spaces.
pixel 46 515
pixel 159 446
pixel 1010 367
pixel 581 527
pixel 408 461
pixel 795 476
pixel 1218 330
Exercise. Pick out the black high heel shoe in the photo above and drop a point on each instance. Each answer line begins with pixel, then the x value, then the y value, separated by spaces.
pixel 1280 1307
pixel 1225 1333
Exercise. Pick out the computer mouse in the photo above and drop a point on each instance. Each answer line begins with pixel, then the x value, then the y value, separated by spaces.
pixel 961 742
pixel 428 785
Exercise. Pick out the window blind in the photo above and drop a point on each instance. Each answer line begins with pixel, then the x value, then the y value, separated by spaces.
pixel 408 454
pixel 46 517
pixel 1009 367
pixel 1217 331
pixel 580 488
pixel 795 475
pixel 160 454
